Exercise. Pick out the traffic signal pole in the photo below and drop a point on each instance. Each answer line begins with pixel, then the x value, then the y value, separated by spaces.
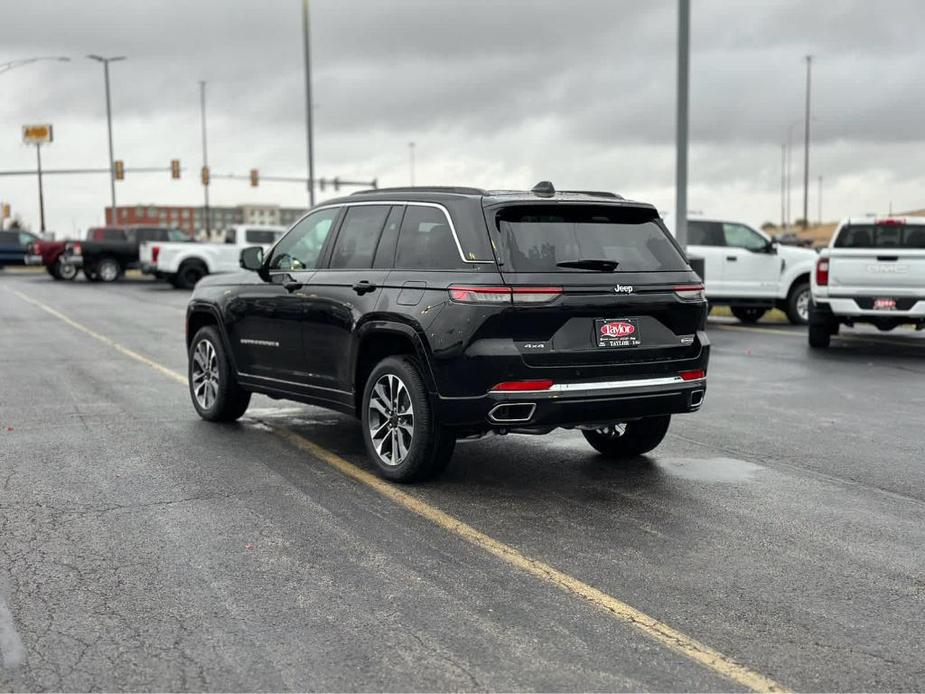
pixel 205 157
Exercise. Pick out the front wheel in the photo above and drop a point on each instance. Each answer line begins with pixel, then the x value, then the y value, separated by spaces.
pixel 748 314
pixel 64 271
pixel 213 388
pixel 402 435
pixel 108 270
pixel 623 441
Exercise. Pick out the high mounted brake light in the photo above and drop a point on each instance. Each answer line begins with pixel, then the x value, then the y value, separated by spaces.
pixel 689 292
pixel 822 272
pixel 503 295
pixel 890 222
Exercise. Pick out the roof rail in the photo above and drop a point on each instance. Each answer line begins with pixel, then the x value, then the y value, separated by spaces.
pixel 595 193
pixel 425 189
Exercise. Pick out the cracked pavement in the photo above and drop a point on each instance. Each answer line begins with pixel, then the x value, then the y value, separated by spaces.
pixel 143 549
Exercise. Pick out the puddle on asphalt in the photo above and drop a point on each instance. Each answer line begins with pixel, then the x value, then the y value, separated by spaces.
pixel 709 469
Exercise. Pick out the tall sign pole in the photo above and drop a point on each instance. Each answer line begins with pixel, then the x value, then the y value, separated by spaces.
pixel 684 22
pixel 309 134
pixel 38 135
pixel 112 165
pixel 38 157
pixel 809 68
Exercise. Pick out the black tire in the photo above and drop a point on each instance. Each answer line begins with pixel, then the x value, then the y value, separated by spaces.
pixel 108 269
pixel 430 446
pixel 819 336
pixel 798 301
pixel 64 271
pixel 220 398
pixel 189 274
pixel 639 437
pixel 53 271
pixel 748 314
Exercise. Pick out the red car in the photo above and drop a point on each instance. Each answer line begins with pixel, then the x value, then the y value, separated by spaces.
pixel 50 254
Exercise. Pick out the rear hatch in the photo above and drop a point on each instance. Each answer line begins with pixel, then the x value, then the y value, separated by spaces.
pixel 880 258
pixel 620 290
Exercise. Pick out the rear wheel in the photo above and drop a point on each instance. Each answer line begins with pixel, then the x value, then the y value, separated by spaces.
pixel 622 441
pixel 748 314
pixel 798 301
pixel 213 387
pixel 108 270
pixel 402 435
pixel 189 274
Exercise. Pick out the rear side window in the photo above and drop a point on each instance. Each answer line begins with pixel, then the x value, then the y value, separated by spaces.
pixel 556 238
pixel 359 235
pixel 261 237
pixel 881 236
pixel 705 234
pixel 426 241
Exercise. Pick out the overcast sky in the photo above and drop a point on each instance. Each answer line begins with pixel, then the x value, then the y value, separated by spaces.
pixel 494 94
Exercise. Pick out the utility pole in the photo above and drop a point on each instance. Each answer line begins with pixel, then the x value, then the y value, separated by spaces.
pixel 684 25
pixel 809 66
pixel 819 195
pixel 783 181
pixel 38 156
pixel 411 155
pixel 309 134
pixel 205 157
pixel 112 173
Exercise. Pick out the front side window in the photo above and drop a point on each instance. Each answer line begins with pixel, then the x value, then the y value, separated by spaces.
pixel 426 241
pixel 301 247
pixel 585 238
pixel 26 238
pixel 740 236
pixel 359 236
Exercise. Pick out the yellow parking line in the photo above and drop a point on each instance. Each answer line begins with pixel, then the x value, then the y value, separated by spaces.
pixel 651 627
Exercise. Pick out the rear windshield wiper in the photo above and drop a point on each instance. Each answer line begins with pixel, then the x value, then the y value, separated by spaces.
pixel 596 264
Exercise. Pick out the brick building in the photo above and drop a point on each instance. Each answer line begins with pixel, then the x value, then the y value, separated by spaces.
pixel 191 219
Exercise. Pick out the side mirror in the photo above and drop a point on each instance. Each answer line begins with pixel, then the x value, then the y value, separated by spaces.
pixel 252 258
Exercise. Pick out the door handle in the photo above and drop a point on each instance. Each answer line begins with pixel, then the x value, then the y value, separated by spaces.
pixel 364 286
pixel 732 258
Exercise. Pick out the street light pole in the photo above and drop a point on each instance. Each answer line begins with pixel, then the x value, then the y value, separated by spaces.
pixel 6 67
pixel 205 158
pixel 809 66
pixel 684 22
pixel 819 195
pixel 309 135
pixel 112 172
pixel 38 157
pixel 411 156
pixel 783 182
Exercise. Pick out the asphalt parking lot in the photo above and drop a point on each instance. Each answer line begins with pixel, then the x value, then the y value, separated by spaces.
pixel 776 538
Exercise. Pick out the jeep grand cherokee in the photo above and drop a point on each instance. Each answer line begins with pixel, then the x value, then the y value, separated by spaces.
pixel 438 314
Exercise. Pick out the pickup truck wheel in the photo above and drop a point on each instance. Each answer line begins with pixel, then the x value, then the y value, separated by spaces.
pixel 213 388
pixel 819 335
pixel 52 270
pixel 64 271
pixel 623 441
pixel 108 270
pixel 402 436
pixel 798 301
pixel 748 314
pixel 189 274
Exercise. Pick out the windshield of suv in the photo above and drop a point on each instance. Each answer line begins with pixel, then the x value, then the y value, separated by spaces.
pixel 881 236
pixel 585 238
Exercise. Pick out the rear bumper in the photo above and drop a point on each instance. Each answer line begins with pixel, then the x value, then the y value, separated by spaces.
pixel 853 307
pixel 570 404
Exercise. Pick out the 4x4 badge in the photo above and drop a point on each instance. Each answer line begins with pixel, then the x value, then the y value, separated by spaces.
pixel 623 289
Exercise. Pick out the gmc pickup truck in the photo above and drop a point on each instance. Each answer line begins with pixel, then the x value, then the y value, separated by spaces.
pixel 184 264
pixel 873 271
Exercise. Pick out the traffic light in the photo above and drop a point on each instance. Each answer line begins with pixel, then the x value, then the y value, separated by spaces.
pixel 336 183
pixel 205 175
pixel 175 168
pixel 255 178
pixel 119 167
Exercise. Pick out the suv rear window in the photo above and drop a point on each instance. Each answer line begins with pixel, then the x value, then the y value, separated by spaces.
pixel 881 236
pixel 538 238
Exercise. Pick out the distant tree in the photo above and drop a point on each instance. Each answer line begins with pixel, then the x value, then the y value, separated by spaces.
pixel 801 222
pixel 768 226
pixel 16 224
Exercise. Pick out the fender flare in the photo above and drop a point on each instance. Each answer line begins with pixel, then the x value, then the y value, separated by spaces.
pixel 375 326
pixel 201 307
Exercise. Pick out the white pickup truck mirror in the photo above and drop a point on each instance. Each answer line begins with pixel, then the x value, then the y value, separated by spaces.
pixel 252 258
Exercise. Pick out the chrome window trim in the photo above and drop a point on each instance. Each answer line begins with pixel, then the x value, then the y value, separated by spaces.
pixel 437 205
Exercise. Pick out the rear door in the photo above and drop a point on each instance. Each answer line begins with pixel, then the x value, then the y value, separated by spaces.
pixel 633 313
pixel 885 259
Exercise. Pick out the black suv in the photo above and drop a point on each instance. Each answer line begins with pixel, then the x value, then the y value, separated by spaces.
pixel 437 314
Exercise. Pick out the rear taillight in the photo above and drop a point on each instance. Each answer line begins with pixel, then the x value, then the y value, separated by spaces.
pixel 822 272
pixel 689 292
pixel 155 251
pixel 522 386
pixel 75 249
pixel 694 375
pixel 503 295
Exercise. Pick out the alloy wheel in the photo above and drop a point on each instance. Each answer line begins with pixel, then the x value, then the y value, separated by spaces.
pixel 66 271
pixel 205 374
pixel 802 305
pixel 391 419
pixel 108 271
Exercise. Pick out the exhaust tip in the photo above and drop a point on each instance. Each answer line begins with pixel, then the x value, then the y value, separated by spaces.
pixel 696 398
pixel 512 413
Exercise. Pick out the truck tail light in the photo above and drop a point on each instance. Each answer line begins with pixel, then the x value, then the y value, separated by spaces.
pixel 694 375
pixel 155 251
pixel 690 292
pixel 522 386
pixel 75 249
pixel 503 295
pixel 822 272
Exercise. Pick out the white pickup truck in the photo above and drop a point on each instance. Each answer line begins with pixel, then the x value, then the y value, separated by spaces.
pixel 873 271
pixel 184 264
pixel 749 272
